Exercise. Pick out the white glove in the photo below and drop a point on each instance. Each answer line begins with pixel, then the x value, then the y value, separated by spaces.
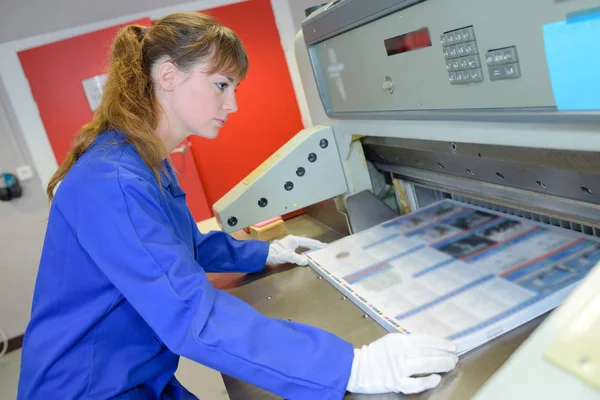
pixel 388 364
pixel 284 250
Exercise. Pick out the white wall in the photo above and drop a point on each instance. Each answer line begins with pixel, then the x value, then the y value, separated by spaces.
pixel 57 20
pixel 24 19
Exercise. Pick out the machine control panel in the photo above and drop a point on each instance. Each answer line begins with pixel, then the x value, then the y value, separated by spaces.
pixel 439 58
pixel 503 64
pixel 462 56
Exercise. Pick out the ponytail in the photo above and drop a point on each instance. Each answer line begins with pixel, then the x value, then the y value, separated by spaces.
pixel 127 105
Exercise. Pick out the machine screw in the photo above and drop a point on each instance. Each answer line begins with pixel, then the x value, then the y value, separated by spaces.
pixel 312 157
pixel 269 297
pixel 288 186
pixel 300 171
pixel 366 316
pixel 263 202
pixel 232 221
pixel 454 147
pixel 319 277
pixel 323 143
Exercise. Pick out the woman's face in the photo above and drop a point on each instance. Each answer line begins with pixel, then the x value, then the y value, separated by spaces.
pixel 200 103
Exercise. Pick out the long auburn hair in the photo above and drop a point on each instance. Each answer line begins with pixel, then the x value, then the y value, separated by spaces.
pixel 129 104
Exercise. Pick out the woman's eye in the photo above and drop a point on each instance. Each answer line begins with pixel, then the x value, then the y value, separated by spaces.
pixel 222 86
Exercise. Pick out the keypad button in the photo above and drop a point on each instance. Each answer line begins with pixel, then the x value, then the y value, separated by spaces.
pixel 510 55
pixel 471 48
pixel 468 34
pixel 497 73
pixel 512 71
pixel 473 62
pixel 476 75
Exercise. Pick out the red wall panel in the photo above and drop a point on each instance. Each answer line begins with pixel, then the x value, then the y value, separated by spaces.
pixel 268 113
pixel 55 72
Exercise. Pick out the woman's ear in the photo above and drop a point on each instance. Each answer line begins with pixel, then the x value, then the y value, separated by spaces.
pixel 167 74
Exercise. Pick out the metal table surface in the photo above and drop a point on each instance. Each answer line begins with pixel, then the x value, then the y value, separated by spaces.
pixel 299 294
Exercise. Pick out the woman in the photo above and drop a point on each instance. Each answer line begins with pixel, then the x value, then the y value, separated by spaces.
pixel 122 291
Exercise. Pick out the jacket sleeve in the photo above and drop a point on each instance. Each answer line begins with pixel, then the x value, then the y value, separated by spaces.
pixel 123 228
pixel 220 252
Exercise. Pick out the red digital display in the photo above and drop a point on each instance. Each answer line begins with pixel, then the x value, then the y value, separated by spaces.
pixel 408 42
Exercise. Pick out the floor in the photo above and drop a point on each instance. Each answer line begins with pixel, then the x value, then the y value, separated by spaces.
pixel 203 382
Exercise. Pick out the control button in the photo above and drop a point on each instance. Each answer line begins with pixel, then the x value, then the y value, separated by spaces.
pixel 458 37
pixel 232 221
pixel 498 57
pixel 497 73
pixel 471 48
pixel 460 49
pixel 452 77
pixel 450 38
pixel 453 53
pixel 456 65
pixel 449 65
pixel 443 40
pixel 476 75
pixel 473 62
pixel 512 71
pixel 460 78
pixel 263 202
pixel 288 186
pixel 509 55
pixel 300 171
pixel 446 52
pixel 464 63
pixel 468 34
pixel 489 58
pixel 388 85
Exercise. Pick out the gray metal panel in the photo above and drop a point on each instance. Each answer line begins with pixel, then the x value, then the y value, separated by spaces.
pixel 561 182
pixel 527 115
pixel 348 14
pixel 351 67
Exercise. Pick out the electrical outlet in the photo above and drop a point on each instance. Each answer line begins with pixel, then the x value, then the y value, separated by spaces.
pixel 24 172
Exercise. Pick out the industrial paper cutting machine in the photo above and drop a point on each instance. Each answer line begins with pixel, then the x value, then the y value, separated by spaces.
pixel 413 102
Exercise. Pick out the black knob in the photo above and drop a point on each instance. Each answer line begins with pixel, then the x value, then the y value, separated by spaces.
pixel 300 171
pixel 288 186
pixel 262 202
pixel 323 143
pixel 312 157
pixel 232 221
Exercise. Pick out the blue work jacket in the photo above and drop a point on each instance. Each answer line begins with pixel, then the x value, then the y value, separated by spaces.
pixel 122 292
